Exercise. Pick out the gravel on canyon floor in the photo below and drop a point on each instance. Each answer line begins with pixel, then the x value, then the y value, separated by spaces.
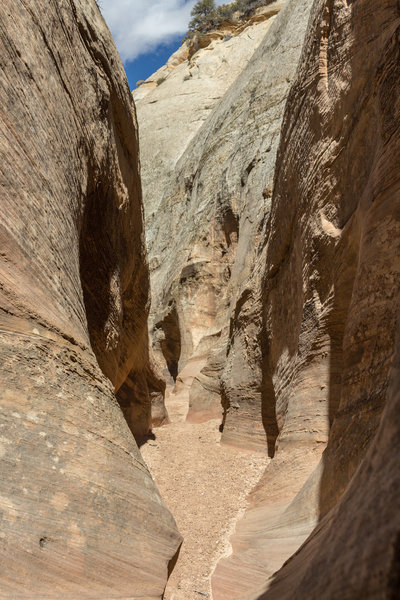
pixel 204 484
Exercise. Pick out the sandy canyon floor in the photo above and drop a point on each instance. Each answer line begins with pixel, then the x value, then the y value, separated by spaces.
pixel 205 485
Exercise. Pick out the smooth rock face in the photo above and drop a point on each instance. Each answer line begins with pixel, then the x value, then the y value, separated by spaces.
pixel 81 517
pixel 330 304
pixel 335 233
pixel 279 273
pixel 175 101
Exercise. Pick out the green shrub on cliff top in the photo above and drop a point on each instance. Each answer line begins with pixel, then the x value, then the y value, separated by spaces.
pixel 206 15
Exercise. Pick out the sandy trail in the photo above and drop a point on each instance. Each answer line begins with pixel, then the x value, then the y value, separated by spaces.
pixel 204 484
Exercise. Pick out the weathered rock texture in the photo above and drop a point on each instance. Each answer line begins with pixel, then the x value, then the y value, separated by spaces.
pixel 186 264
pixel 280 273
pixel 216 201
pixel 334 249
pixel 81 516
pixel 173 103
pixel 330 304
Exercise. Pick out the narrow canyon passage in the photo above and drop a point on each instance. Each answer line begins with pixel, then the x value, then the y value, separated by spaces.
pixel 203 483
pixel 231 230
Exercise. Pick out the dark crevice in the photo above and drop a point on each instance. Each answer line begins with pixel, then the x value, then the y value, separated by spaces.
pixel 268 400
pixel 97 264
pixel 170 342
pixel 225 405
pixel 230 226
pixel 134 400
pixel 393 591
pixel 43 541
pixel 144 439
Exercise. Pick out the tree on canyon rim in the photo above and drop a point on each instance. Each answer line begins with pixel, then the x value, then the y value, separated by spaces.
pixel 204 14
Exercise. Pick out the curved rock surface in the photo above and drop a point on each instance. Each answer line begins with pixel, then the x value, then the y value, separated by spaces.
pixel 338 243
pixel 191 259
pixel 81 516
pixel 277 278
pixel 204 268
pixel 330 303
pixel 175 101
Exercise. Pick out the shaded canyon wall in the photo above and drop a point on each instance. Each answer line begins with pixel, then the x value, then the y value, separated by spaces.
pixel 279 273
pixel 338 241
pixel 81 516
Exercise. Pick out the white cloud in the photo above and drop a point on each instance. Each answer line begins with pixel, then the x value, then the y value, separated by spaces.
pixel 139 26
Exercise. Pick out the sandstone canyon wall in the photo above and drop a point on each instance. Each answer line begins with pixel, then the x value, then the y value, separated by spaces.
pixel 330 302
pixel 279 273
pixel 337 243
pixel 175 101
pixel 215 202
pixel 81 517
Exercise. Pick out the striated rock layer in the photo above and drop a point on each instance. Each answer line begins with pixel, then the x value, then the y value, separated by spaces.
pixel 335 235
pixel 330 304
pixel 81 516
pixel 278 276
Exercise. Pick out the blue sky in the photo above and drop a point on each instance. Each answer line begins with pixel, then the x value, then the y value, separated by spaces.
pixel 147 32
pixel 148 63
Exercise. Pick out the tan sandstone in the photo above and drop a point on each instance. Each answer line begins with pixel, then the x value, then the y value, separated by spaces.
pixel 338 243
pixel 81 516
pixel 278 274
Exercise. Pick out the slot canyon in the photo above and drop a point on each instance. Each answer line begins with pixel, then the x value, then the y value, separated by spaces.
pixel 200 301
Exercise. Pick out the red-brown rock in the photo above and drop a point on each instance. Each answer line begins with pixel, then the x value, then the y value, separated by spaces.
pixel 81 517
pixel 330 305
